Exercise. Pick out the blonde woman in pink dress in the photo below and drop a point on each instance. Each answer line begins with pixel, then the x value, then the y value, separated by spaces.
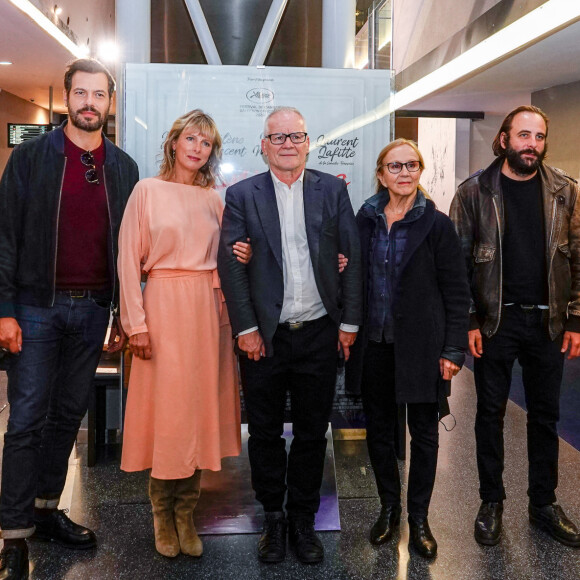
pixel 182 412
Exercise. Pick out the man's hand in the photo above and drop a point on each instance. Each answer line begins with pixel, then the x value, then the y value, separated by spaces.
pixel 140 345
pixel 572 340
pixel 475 343
pixel 342 263
pixel 10 335
pixel 243 251
pixel 117 337
pixel 346 340
pixel 252 344
pixel 448 369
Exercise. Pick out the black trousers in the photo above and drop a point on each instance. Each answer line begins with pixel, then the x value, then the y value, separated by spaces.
pixel 380 407
pixel 522 335
pixel 304 363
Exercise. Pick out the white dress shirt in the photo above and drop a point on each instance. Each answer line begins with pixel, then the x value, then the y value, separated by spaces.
pixel 301 297
pixel 302 300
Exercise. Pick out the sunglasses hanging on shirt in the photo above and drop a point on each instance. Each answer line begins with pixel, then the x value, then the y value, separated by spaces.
pixel 91 174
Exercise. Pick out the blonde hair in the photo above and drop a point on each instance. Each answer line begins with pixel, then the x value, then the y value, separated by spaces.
pixel 209 173
pixel 393 145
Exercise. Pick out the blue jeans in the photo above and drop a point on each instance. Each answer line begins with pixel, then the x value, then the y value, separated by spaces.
pixel 48 391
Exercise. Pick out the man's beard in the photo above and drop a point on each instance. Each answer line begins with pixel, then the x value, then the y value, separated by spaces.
pixel 521 166
pixel 91 125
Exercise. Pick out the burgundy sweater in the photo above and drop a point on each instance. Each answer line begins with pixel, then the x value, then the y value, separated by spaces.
pixel 83 225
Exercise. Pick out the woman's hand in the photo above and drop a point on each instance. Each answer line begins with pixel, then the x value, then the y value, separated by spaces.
pixel 117 337
pixel 243 251
pixel 140 345
pixel 448 369
pixel 342 263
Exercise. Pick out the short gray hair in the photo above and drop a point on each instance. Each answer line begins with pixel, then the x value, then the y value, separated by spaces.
pixel 277 110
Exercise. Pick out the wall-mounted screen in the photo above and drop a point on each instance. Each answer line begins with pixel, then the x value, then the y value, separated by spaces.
pixel 20 132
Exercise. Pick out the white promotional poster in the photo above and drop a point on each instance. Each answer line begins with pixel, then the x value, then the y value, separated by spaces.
pixel 345 112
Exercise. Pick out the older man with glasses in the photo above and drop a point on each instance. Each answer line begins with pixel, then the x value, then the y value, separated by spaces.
pixel 62 196
pixel 291 310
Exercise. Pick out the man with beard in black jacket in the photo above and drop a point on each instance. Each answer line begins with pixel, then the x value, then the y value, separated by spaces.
pixel 62 196
pixel 519 225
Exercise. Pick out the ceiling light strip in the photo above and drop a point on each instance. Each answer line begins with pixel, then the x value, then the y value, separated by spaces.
pixel 542 21
pixel 45 23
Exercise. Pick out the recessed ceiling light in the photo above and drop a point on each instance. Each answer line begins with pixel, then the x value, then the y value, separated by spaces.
pixel 5 62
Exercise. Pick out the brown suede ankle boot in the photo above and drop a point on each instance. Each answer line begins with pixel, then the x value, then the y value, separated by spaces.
pixel 162 500
pixel 186 495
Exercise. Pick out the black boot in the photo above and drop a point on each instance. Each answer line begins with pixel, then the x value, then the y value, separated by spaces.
pixel 305 542
pixel 488 523
pixel 56 526
pixel 14 557
pixel 421 538
pixel 552 519
pixel 384 527
pixel 272 542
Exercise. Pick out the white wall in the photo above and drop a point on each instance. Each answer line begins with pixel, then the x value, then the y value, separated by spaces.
pixel 444 144
pixel 483 132
pixel 419 26
pixel 562 105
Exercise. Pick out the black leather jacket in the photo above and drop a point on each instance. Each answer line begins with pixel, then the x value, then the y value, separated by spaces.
pixel 478 214
pixel 30 192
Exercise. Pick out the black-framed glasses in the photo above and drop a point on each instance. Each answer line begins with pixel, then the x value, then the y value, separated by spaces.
pixel 280 138
pixel 91 175
pixel 397 167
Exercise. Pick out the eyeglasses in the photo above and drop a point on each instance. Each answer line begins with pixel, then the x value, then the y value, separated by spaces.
pixel 280 138
pixel 91 175
pixel 397 167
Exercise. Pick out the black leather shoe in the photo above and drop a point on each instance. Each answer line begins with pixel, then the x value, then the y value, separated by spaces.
pixel 488 523
pixel 421 538
pixel 272 542
pixel 58 527
pixel 14 563
pixel 553 520
pixel 305 542
pixel 384 527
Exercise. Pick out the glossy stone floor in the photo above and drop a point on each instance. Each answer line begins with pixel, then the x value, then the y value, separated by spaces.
pixel 115 505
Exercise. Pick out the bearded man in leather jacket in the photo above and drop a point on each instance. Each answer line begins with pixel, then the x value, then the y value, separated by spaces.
pixel 519 225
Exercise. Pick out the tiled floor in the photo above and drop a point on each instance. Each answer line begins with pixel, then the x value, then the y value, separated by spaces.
pixel 115 505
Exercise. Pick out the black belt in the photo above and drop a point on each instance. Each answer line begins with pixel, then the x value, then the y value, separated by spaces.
pixel 83 293
pixel 530 306
pixel 292 326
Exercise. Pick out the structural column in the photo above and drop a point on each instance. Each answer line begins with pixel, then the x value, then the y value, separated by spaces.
pixel 133 27
pixel 133 37
pixel 338 33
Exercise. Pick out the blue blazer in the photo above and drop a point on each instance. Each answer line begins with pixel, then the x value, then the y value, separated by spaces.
pixel 254 293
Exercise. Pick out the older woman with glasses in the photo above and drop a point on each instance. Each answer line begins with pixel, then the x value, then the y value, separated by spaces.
pixel 414 336
pixel 183 411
